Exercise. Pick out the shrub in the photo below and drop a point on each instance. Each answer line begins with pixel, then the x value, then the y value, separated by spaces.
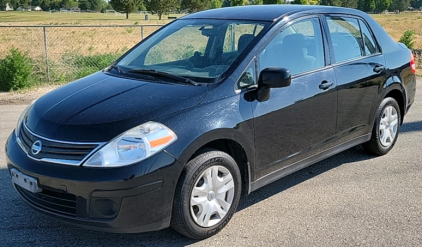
pixel 408 38
pixel 15 71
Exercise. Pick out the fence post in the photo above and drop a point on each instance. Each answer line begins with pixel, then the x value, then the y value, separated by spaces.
pixel 46 54
pixel 142 32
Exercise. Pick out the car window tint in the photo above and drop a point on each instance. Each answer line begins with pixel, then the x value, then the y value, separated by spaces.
pixel 189 40
pixel 346 38
pixel 368 42
pixel 298 47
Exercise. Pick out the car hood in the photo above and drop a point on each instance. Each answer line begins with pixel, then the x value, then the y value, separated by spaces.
pixel 100 106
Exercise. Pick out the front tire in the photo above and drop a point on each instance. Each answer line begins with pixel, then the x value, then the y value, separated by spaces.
pixel 207 195
pixel 386 128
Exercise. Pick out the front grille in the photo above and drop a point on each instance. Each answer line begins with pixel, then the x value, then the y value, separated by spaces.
pixel 55 151
pixel 58 202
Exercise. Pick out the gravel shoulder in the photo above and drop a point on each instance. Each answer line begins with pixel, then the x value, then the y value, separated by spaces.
pixel 24 97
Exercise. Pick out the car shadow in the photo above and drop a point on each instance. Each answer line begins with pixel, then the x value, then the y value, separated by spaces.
pixel 411 126
pixel 354 154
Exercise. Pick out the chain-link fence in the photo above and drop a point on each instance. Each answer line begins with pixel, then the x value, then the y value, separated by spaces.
pixel 65 53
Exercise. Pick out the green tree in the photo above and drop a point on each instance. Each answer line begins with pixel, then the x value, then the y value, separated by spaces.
pixel 44 4
pixel 67 4
pixel 349 3
pixel 125 6
pixel 331 2
pixel 161 7
pixel 303 2
pixel 237 2
pixel 194 5
pixel 2 4
pixel 215 4
pixel 94 5
pixel 256 2
pixel 272 1
pixel 382 5
pixel 400 5
pixel 366 5
pixel 84 4
pixel 98 5
pixel 415 3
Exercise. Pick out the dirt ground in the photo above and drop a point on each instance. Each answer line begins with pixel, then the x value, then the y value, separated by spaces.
pixel 24 97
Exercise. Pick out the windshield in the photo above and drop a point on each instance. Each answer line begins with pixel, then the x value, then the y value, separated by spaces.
pixel 200 49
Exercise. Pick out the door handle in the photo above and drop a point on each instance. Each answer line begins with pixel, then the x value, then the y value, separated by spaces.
pixel 325 85
pixel 378 68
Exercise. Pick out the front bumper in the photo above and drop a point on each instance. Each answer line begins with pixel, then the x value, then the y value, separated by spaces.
pixel 135 198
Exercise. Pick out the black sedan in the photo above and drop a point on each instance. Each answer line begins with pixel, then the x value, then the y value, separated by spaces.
pixel 211 106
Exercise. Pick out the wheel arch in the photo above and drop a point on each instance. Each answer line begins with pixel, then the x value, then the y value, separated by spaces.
pixel 398 96
pixel 395 89
pixel 229 141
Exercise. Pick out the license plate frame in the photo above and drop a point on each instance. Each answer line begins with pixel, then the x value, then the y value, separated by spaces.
pixel 24 181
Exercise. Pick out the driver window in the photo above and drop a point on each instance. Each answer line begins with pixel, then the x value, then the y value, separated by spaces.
pixel 298 47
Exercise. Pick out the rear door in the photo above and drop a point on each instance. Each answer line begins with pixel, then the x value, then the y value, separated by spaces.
pixel 298 120
pixel 359 68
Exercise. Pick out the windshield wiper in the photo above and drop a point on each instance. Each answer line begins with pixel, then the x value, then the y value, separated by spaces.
pixel 164 74
pixel 116 67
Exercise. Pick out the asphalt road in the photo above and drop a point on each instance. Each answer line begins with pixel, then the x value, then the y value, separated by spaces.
pixel 349 199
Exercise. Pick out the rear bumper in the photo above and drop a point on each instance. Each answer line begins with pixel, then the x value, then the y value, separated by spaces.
pixel 136 198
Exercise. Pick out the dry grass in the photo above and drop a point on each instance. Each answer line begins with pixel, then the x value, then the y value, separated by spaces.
pixel 396 25
pixel 15 18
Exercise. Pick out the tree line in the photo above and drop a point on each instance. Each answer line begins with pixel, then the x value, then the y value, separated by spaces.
pixel 162 7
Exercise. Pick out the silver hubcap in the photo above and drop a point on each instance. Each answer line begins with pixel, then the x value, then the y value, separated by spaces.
pixel 212 196
pixel 388 126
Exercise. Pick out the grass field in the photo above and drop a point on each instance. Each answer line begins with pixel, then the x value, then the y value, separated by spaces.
pixel 14 18
pixel 394 24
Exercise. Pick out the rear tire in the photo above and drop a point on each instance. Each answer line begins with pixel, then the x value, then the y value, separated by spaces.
pixel 386 128
pixel 207 195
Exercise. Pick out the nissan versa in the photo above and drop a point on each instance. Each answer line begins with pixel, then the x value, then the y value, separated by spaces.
pixel 211 106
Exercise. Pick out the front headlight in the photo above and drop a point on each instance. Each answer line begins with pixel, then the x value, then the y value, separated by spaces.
pixel 19 123
pixel 133 146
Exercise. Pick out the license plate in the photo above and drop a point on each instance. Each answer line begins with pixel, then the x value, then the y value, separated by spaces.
pixel 24 181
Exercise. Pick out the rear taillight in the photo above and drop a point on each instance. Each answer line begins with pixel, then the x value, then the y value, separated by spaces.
pixel 412 63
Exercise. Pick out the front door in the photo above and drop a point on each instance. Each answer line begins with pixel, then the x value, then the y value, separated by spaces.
pixel 298 120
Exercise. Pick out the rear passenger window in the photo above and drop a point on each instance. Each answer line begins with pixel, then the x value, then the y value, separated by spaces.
pixel 346 38
pixel 368 42
pixel 350 38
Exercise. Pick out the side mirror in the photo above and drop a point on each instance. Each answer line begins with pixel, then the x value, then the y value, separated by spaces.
pixel 273 77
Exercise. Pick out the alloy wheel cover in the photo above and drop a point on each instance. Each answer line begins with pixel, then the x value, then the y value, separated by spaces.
pixel 212 196
pixel 388 126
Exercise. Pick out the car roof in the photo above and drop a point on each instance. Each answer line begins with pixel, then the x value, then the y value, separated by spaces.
pixel 269 12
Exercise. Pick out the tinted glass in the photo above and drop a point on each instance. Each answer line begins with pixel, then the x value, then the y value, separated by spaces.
pixel 298 47
pixel 368 42
pixel 346 38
